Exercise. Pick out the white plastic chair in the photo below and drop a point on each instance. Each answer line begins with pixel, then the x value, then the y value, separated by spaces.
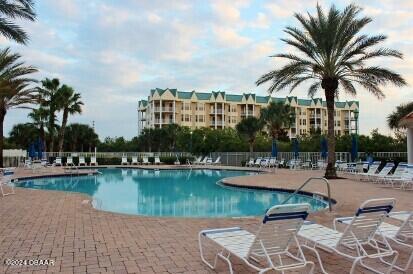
pixel 157 161
pixel 400 235
pixel 93 161
pixel 372 170
pixel 358 234
pixel 135 160
pixel 58 161
pixel 5 181
pixel 69 161
pixel 276 235
pixel 217 161
pixel 82 161
pixel 124 161
pixel 145 161
pixel 250 163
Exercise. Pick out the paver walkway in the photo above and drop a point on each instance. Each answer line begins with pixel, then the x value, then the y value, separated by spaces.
pixel 37 224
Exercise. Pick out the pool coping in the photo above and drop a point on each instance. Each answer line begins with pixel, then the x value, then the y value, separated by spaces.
pixel 279 189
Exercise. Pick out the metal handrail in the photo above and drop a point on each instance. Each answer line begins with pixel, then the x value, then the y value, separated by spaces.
pixel 330 205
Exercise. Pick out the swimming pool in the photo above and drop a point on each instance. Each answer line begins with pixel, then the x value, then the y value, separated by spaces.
pixel 180 193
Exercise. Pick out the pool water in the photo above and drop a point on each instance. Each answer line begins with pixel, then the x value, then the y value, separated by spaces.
pixel 181 193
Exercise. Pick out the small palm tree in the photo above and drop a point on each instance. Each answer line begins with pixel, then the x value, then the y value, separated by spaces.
pixel 249 128
pixel 70 104
pixel 331 52
pixel 15 9
pixel 15 90
pixel 394 118
pixel 50 101
pixel 276 117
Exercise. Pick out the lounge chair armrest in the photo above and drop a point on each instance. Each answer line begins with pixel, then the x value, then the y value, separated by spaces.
pixel 341 220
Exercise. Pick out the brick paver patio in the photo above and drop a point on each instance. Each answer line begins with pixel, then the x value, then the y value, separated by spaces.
pixel 60 226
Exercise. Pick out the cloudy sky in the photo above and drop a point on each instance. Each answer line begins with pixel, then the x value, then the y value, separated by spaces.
pixel 114 51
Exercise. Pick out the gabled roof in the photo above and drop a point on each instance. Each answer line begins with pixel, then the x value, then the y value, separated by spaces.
pixel 184 95
pixel 340 104
pixel 233 97
pixel 203 95
pixel 278 100
pixel 262 99
pixel 304 102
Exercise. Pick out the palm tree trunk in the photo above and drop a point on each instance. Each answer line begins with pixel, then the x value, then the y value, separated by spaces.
pixel 62 130
pixel 331 160
pixel 51 130
pixel 2 115
pixel 251 147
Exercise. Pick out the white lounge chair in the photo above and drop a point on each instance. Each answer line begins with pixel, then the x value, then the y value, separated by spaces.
pixel 145 160
pixel 217 161
pixel 82 161
pixel 134 160
pixel 258 162
pixel 208 161
pixel 383 173
pixel 5 181
pixel 69 161
pixel 273 162
pixel 157 161
pixel 197 160
pixel 124 161
pixel 372 170
pixel 405 180
pixel 359 234
pixel 93 161
pixel 250 163
pixel 276 235
pixel 204 161
pixel 58 161
pixel 265 162
pixel 400 235
pixel 28 163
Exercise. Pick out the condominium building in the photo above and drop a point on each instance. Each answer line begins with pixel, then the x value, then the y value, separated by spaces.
pixel 220 110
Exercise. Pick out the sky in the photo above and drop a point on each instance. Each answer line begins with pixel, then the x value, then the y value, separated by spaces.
pixel 114 51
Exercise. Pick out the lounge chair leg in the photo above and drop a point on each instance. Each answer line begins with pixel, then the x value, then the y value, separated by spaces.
pixel 226 259
pixel 318 257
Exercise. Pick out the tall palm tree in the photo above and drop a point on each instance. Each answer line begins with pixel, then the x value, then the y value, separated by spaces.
pixel 70 104
pixel 276 117
pixel 331 52
pixel 49 94
pixel 15 9
pixel 15 90
pixel 39 119
pixel 248 128
pixel 394 118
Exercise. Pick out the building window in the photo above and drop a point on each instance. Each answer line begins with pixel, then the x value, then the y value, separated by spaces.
pixel 200 106
pixel 233 119
pixel 200 118
pixel 186 106
pixel 304 122
pixel 233 108
pixel 187 118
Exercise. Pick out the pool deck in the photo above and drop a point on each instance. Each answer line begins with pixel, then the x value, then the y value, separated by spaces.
pixel 36 224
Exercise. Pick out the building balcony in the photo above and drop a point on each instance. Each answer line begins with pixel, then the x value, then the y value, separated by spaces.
pixel 245 113
pixel 164 121
pixel 217 123
pixel 216 111
pixel 164 109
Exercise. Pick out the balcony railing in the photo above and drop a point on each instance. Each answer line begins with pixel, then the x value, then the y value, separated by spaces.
pixel 217 123
pixel 217 111
pixel 164 109
pixel 164 121
pixel 245 113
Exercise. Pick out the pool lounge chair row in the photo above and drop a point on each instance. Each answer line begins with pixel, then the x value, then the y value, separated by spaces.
pixel 207 161
pixel 365 236
pixel 69 161
pixel 145 161
pixel 400 176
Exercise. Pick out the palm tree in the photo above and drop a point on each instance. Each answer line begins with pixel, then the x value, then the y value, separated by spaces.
pixel 331 52
pixel 15 9
pixel 276 117
pixel 39 119
pixel 15 90
pixel 71 104
pixel 394 118
pixel 248 128
pixel 49 94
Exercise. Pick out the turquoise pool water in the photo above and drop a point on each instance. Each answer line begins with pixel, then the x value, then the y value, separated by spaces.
pixel 181 193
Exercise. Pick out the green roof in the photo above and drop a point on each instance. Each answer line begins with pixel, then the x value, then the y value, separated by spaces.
pixel 340 104
pixel 203 95
pixel 184 95
pixel 233 97
pixel 277 100
pixel 262 99
pixel 304 102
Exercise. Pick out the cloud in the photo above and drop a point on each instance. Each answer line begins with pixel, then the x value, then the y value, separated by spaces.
pixel 229 37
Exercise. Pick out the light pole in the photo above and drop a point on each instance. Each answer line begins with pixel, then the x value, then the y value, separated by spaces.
pixel 190 143
pixel 356 119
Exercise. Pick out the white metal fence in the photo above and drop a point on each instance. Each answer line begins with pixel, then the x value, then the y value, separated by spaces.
pixel 14 157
